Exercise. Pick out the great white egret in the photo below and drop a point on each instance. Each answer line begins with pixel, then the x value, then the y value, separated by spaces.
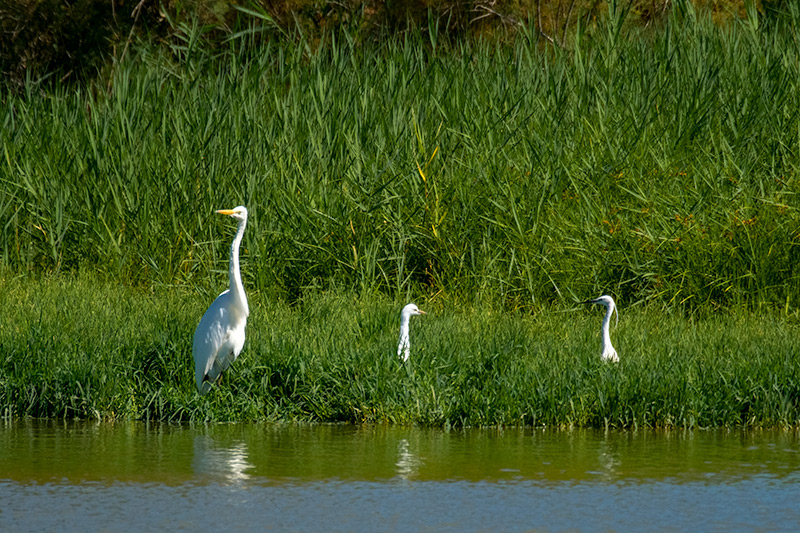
pixel 219 337
pixel 609 353
pixel 404 345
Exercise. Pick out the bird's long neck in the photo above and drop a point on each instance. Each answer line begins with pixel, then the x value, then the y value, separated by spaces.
pixel 606 327
pixel 404 344
pixel 237 288
pixel 404 327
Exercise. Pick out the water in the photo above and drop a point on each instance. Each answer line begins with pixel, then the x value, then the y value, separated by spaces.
pixel 121 477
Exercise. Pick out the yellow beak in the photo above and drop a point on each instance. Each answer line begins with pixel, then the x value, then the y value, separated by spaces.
pixel 225 211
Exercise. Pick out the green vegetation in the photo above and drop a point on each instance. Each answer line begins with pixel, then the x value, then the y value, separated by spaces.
pixel 493 182
pixel 79 41
pixel 78 348
pixel 655 166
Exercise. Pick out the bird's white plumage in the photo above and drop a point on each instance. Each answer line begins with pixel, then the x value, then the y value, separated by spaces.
pixel 609 353
pixel 404 344
pixel 219 337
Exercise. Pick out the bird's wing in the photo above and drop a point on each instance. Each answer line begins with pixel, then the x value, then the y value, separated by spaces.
pixel 211 336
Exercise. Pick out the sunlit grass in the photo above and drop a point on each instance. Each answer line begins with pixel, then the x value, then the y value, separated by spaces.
pixel 657 165
pixel 81 348
pixel 495 184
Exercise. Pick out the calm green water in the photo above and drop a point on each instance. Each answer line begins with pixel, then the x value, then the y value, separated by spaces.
pixel 131 476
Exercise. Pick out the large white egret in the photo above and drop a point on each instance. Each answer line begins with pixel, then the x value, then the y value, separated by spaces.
pixel 404 345
pixel 609 353
pixel 219 337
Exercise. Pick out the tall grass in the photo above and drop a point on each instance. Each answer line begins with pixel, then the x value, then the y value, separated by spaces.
pixel 659 165
pixel 88 349
pixel 494 182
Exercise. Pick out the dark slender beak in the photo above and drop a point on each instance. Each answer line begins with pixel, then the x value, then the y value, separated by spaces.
pixel 593 301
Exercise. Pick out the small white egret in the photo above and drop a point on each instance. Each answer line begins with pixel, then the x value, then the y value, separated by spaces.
pixel 219 337
pixel 609 353
pixel 404 345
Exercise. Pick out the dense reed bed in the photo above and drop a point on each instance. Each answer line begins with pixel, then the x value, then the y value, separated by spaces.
pixel 80 348
pixel 494 184
pixel 656 164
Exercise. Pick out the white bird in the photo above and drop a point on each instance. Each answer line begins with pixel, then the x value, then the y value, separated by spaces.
pixel 219 337
pixel 404 345
pixel 609 353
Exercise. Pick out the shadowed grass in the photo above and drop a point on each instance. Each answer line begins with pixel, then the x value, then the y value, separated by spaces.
pixel 81 348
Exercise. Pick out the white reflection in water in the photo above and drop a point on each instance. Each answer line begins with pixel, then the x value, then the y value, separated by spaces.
pixel 407 464
pixel 228 463
pixel 609 459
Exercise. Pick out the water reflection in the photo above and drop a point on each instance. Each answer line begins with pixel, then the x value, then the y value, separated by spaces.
pixel 361 478
pixel 608 459
pixel 407 463
pixel 75 452
pixel 220 463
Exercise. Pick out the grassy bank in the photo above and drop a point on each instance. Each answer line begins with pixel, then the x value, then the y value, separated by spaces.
pixel 80 348
pixel 493 183
pixel 659 165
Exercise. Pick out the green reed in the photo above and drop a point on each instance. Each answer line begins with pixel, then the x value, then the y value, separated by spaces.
pixel 494 183
pixel 658 165
pixel 78 347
